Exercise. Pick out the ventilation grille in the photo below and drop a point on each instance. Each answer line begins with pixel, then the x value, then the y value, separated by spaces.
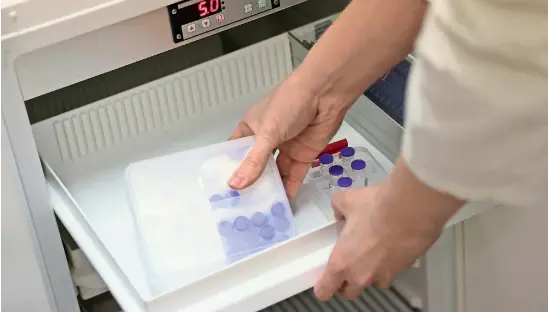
pixel 172 99
pixel 371 300
pixel 388 93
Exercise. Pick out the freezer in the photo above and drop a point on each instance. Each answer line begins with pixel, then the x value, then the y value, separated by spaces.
pixel 98 88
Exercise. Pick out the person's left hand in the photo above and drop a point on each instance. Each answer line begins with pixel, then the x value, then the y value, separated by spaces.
pixel 375 244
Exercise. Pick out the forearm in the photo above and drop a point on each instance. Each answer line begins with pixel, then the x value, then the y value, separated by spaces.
pixel 416 201
pixel 368 38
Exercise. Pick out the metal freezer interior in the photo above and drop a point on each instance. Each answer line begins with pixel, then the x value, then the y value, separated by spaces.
pixel 163 80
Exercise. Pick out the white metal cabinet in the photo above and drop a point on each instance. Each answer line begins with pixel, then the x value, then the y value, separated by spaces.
pixel 26 285
pixel 506 253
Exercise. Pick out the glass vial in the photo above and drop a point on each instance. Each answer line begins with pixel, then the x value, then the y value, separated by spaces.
pixel 326 161
pixel 359 172
pixel 335 172
pixel 347 155
pixel 344 183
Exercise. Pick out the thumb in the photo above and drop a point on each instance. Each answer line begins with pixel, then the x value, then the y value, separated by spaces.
pixel 339 204
pixel 253 165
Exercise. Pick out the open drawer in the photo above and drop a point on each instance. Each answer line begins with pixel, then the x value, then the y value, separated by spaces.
pixel 85 152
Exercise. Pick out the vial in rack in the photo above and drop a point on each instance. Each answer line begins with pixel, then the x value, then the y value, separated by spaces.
pixel 359 172
pixel 335 172
pixel 326 161
pixel 347 155
pixel 344 183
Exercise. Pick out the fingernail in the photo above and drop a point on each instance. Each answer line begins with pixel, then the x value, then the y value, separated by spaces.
pixel 236 181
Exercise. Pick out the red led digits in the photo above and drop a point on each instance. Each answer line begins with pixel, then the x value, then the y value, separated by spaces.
pixel 214 6
pixel 205 9
pixel 202 7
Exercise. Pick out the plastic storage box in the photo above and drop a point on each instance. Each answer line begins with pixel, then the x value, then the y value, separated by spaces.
pixel 184 198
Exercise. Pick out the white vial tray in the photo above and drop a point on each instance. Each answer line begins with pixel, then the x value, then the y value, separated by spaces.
pixel 356 164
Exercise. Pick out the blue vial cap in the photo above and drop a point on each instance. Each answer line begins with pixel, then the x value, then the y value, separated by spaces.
pixel 358 164
pixel 267 232
pixel 344 182
pixel 278 210
pixel 215 198
pixel 348 152
pixel 258 219
pixel 241 223
pixel 326 159
pixel 336 170
pixel 232 193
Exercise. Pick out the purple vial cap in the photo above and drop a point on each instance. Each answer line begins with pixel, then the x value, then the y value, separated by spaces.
pixel 267 232
pixel 225 228
pixel 336 170
pixel 344 182
pixel 233 193
pixel 281 225
pixel 278 210
pixel 348 152
pixel 215 198
pixel 326 159
pixel 358 164
pixel 241 223
pixel 258 219
pixel 250 239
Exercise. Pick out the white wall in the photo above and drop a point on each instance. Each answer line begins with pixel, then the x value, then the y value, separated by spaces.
pixel 506 260
pixel 24 288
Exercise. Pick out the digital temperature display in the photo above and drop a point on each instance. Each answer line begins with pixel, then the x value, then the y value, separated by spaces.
pixel 199 10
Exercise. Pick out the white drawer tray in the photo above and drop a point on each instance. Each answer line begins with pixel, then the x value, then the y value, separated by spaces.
pixel 86 151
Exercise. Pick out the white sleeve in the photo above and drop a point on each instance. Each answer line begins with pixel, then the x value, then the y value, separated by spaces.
pixel 477 102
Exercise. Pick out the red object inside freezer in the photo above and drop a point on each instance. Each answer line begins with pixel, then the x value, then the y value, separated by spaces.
pixel 332 148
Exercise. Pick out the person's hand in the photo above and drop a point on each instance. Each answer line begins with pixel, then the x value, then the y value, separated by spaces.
pixel 375 244
pixel 294 119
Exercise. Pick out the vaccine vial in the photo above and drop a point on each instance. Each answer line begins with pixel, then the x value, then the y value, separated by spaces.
pixel 368 158
pixel 335 172
pixel 326 161
pixel 347 155
pixel 359 172
pixel 344 183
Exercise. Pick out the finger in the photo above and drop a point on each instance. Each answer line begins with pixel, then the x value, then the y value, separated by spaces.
pixel 242 130
pixel 343 201
pixel 351 291
pixel 356 285
pixel 332 278
pixel 292 172
pixel 338 202
pixel 384 281
pixel 253 165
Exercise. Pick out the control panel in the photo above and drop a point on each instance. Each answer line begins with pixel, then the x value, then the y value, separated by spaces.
pixel 190 18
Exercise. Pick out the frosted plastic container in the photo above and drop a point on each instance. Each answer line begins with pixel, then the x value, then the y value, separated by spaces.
pixel 188 218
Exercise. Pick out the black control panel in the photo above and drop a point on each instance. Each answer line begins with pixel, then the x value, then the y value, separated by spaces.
pixel 191 18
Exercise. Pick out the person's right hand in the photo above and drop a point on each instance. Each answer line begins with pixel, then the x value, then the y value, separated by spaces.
pixel 294 119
